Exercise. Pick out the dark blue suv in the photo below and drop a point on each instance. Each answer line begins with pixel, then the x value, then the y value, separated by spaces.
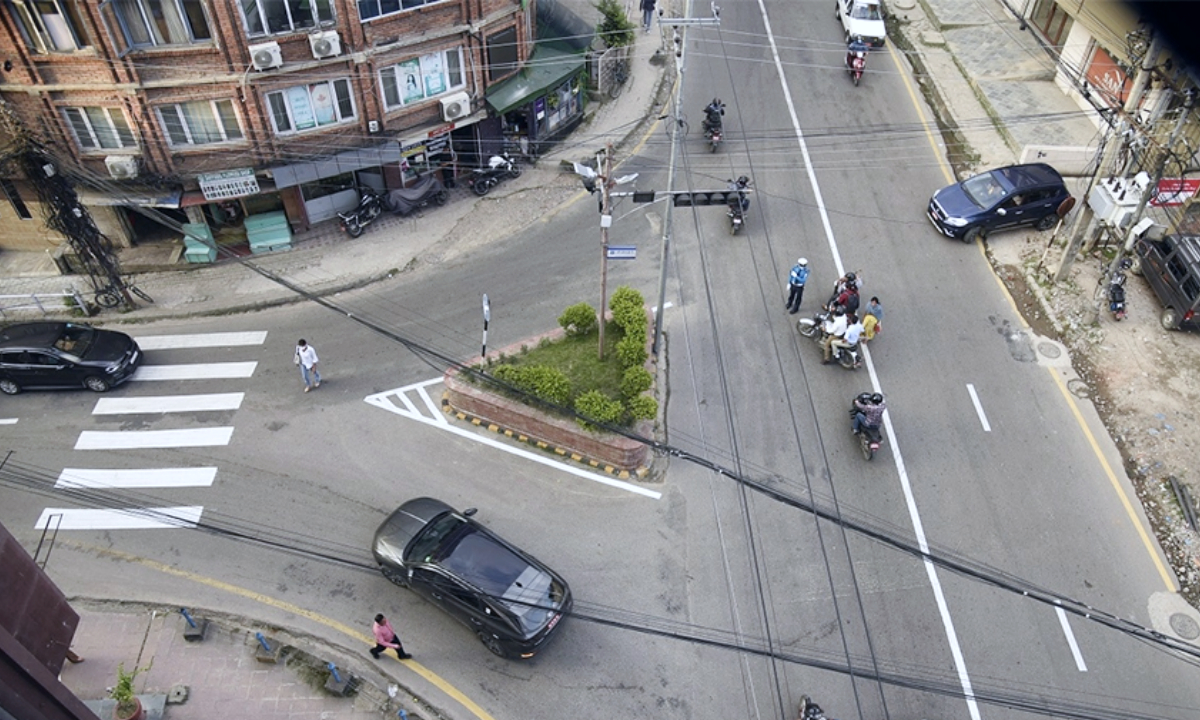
pixel 1007 197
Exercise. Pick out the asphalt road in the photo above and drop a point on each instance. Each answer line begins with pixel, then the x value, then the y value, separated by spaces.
pixel 305 478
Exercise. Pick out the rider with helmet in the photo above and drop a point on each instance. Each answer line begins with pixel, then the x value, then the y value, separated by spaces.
pixel 856 48
pixel 849 281
pixel 712 116
pixel 739 185
pixel 796 279
pixel 870 413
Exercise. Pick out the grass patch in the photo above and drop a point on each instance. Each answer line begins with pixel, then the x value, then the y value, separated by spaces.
pixel 576 356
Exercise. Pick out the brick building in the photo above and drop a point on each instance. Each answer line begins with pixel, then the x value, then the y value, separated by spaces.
pixel 211 111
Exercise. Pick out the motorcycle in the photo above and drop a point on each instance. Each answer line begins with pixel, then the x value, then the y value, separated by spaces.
pixel 856 62
pixel 738 204
pixel 1116 290
pixel 869 438
pixel 712 123
pixel 482 180
pixel 848 357
pixel 714 137
pixel 427 190
pixel 370 205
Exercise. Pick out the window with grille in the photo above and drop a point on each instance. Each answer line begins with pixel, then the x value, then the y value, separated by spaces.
pixel 421 78
pixel 98 128
pixel 203 122
pixel 315 105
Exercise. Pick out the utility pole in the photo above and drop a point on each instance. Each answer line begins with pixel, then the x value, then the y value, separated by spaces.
pixel 1117 138
pixel 606 184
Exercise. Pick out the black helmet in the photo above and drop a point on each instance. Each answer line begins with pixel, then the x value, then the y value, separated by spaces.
pixel 743 180
pixel 876 399
pixel 851 277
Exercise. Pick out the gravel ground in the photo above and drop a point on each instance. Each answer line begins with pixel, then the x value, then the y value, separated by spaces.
pixel 1144 381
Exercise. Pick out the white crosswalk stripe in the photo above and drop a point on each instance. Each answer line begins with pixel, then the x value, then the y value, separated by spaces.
pixel 199 371
pixel 168 404
pixel 146 439
pixel 129 478
pixel 128 519
pixel 201 340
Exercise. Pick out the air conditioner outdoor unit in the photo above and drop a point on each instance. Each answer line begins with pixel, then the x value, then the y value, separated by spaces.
pixel 266 56
pixel 122 167
pixel 456 107
pixel 325 44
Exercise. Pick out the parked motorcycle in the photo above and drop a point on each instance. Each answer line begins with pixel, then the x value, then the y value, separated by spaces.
pixel 501 166
pixel 738 204
pixel 869 438
pixel 428 190
pixel 370 205
pixel 1116 290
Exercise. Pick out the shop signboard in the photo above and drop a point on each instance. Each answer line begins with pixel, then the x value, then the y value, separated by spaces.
pixel 228 184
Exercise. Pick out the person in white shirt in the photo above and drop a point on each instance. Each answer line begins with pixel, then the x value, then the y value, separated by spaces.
pixel 849 339
pixel 834 328
pixel 306 358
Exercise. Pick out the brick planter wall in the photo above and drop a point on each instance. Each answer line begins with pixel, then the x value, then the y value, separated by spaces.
pixel 473 399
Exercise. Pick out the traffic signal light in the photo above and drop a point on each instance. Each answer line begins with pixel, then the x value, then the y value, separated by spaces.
pixel 703 197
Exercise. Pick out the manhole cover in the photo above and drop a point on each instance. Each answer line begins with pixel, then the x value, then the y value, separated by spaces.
pixel 1184 626
pixel 1049 349
pixel 1079 388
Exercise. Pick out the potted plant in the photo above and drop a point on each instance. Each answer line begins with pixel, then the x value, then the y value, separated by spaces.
pixel 129 707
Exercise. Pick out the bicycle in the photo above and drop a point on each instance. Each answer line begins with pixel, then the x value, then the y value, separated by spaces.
pixel 110 296
pixel 619 74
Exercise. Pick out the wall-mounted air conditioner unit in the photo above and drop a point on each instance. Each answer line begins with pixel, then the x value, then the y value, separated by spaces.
pixel 266 56
pixel 456 106
pixel 122 167
pixel 325 44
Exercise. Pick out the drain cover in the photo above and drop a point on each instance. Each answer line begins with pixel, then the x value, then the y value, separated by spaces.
pixel 1049 349
pixel 1079 388
pixel 1184 626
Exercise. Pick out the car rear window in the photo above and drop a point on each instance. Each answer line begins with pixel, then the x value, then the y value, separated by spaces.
pixel 502 574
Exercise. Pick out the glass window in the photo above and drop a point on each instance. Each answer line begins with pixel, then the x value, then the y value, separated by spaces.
pixel 146 23
pixel 315 105
pixel 97 128
pixel 502 52
pixel 368 9
pixel 48 25
pixel 418 79
pixel 14 198
pixel 269 17
pixel 200 123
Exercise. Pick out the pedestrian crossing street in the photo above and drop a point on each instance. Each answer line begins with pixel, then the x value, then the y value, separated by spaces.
pixel 155 479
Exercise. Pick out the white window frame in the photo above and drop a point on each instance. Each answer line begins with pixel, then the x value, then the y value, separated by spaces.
pixel 93 137
pixel 292 26
pixel 191 143
pixel 38 36
pixel 394 75
pixel 308 89
pixel 144 18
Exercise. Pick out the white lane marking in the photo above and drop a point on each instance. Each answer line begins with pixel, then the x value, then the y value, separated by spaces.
pixel 434 410
pixel 930 569
pixel 978 408
pixel 129 478
pixel 1066 627
pixel 8 421
pixel 666 305
pixel 168 404
pixel 143 439
pixel 198 371
pixel 383 400
pixel 131 519
pixel 202 340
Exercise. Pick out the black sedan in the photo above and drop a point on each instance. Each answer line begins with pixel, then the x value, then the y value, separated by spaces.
pixel 510 600
pixel 1007 197
pixel 64 355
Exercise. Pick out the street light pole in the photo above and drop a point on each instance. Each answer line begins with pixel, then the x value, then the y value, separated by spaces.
pixel 605 222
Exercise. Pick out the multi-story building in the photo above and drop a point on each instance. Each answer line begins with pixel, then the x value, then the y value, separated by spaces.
pixel 215 110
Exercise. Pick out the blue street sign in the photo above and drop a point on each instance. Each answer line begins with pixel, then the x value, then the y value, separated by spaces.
pixel 622 252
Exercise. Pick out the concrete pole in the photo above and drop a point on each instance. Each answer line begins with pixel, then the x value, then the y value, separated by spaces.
pixel 605 221
pixel 1084 217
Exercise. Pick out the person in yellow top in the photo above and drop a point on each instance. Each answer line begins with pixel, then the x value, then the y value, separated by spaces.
pixel 872 317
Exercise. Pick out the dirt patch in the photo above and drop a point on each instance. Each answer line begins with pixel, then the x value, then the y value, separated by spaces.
pixel 1144 381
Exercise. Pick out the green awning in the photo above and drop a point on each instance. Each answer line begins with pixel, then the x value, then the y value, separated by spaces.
pixel 547 68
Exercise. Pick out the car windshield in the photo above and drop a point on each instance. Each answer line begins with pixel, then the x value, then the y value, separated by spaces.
pixel 75 340
pixel 500 573
pixel 865 12
pixel 430 540
pixel 984 190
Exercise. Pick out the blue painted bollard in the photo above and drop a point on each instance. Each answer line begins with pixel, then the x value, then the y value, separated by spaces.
pixel 336 684
pixel 193 631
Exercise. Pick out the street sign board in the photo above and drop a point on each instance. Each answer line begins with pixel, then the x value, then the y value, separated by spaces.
pixel 622 252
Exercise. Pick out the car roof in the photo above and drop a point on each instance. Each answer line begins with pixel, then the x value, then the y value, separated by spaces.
pixel 1021 176
pixel 36 334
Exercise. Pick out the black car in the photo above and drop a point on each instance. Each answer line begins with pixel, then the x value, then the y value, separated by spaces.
pixel 510 600
pixel 1003 198
pixel 64 355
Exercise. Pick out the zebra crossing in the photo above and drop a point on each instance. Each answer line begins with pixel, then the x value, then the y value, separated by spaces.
pixel 166 478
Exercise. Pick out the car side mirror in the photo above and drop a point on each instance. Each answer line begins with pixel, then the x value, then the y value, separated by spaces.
pixel 1001 211
pixel 470 511
pixel 410 574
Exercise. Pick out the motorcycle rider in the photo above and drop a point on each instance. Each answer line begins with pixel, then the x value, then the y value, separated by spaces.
pixel 739 185
pixel 712 116
pixel 870 413
pixel 845 282
pixel 834 328
pixel 796 280
pixel 849 339
pixel 856 48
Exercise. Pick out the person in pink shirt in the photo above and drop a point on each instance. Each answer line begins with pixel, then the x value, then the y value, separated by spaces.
pixel 385 637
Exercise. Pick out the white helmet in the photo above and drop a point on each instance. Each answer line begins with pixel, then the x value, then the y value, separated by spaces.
pixel 802 262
